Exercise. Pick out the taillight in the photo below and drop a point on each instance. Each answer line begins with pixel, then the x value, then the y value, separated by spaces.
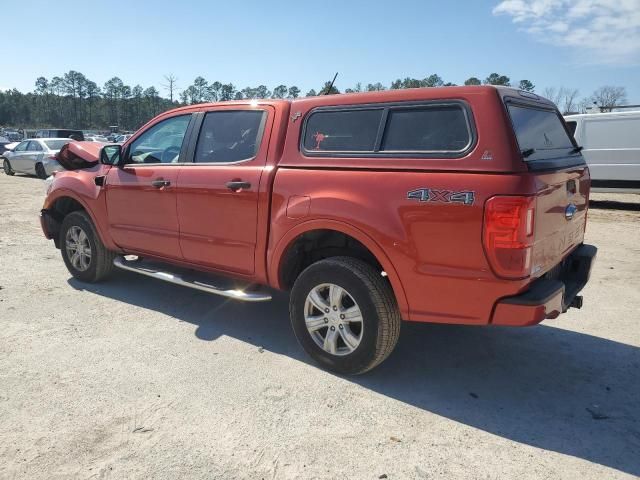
pixel 508 234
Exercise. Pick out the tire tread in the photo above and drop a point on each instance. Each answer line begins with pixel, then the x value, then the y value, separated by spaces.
pixel 382 297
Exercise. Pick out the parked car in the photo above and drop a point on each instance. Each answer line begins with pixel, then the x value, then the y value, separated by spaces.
pixel 35 156
pixel 60 133
pixel 13 135
pixel 123 138
pixel 611 148
pixel 97 138
pixel 4 141
pixel 462 205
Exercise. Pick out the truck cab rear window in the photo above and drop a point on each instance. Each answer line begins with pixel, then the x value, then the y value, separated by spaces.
pixel 425 130
pixel 540 133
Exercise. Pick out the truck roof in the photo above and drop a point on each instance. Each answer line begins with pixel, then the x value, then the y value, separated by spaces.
pixel 379 96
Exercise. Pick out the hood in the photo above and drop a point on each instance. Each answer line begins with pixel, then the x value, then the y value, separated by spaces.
pixel 77 155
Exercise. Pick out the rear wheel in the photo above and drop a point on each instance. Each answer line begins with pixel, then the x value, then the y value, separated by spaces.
pixel 85 256
pixel 7 167
pixel 344 315
pixel 40 172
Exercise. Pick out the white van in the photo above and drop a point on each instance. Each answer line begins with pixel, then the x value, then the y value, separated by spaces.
pixel 611 148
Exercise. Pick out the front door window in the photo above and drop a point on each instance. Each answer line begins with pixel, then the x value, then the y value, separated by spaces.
pixel 161 143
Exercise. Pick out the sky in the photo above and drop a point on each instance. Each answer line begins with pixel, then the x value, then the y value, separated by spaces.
pixel 581 44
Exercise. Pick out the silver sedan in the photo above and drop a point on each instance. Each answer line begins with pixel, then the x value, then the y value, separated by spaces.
pixel 35 156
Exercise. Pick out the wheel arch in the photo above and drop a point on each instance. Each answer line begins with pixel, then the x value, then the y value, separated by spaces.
pixel 285 249
pixel 62 202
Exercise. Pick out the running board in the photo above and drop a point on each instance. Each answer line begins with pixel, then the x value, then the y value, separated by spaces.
pixel 179 279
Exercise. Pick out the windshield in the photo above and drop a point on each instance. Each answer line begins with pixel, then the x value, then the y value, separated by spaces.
pixel 539 131
pixel 55 144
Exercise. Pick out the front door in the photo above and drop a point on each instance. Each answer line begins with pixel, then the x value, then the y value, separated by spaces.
pixel 141 191
pixel 18 158
pixel 218 192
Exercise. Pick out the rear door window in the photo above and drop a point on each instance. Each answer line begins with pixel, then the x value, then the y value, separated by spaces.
pixel 342 131
pixel 34 147
pixel 540 132
pixel 229 136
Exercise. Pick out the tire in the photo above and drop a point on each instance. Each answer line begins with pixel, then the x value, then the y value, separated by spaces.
pixel 362 287
pixel 7 167
pixel 40 171
pixel 78 229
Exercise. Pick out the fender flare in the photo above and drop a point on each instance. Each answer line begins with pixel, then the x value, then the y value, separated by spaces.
pixel 276 254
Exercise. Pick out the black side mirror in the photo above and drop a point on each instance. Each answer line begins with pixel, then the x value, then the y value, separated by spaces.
pixel 110 154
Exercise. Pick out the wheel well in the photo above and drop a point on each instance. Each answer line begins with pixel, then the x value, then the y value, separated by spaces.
pixel 62 207
pixel 316 245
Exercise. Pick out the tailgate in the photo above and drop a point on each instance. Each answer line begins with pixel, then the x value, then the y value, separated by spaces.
pixel 561 180
pixel 560 218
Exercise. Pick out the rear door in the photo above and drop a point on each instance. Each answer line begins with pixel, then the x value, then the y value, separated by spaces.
pixel 141 192
pixel 562 180
pixel 218 192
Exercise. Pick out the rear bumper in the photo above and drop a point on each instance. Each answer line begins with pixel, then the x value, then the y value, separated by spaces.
pixel 549 296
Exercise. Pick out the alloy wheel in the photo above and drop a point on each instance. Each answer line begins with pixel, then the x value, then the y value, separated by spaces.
pixel 333 319
pixel 78 248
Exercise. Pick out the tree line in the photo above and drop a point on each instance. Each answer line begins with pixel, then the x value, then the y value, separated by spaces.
pixel 74 101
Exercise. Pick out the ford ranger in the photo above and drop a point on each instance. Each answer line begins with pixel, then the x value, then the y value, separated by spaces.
pixel 460 205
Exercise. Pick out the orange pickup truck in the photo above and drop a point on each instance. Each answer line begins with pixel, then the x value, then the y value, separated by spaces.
pixel 463 205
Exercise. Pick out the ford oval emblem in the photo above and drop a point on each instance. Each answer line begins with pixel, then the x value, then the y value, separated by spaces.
pixel 570 211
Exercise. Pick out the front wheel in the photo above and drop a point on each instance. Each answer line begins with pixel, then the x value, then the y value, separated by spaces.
pixel 7 167
pixel 85 256
pixel 344 315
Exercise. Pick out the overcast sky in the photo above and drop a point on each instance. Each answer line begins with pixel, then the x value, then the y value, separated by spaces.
pixel 579 44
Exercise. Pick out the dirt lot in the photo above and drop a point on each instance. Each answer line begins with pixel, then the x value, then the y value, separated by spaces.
pixel 136 378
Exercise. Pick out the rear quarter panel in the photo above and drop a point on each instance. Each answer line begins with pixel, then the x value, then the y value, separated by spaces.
pixel 434 249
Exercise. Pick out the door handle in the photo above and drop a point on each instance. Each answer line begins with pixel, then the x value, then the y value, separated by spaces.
pixel 237 185
pixel 161 183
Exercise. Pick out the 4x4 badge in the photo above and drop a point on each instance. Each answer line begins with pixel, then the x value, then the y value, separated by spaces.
pixel 443 196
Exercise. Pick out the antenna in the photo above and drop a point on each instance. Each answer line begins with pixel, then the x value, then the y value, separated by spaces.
pixel 332 82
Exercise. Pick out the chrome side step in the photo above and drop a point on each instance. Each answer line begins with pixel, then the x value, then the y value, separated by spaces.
pixel 178 279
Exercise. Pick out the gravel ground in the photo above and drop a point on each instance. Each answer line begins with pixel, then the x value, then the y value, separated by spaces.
pixel 136 378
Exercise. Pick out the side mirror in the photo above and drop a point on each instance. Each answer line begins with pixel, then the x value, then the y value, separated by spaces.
pixel 110 154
